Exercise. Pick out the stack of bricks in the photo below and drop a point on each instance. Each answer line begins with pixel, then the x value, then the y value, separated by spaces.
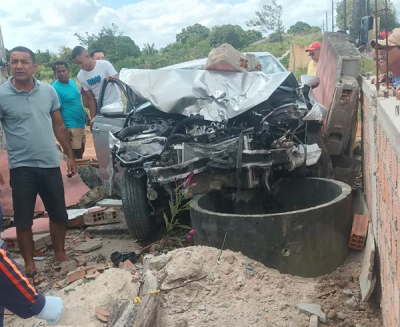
pixel 381 161
pixel 100 216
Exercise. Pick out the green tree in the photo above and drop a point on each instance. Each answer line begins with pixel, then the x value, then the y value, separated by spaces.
pixel 113 43
pixel 194 30
pixel 302 28
pixel 232 34
pixel 269 19
pixel 43 57
pixel 253 36
pixel 392 14
pixel 149 49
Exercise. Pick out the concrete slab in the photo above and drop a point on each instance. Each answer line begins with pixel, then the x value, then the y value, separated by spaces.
pixel 89 246
pixel 312 309
pixel 367 278
pixel 110 203
pixel 313 321
pixel 74 187
pixel 111 229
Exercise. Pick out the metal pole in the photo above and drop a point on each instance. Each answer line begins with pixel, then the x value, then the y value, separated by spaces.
pixel 326 21
pixel 387 50
pixel 368 7
pixel 333 23
pixel 345 15
pixel 376 49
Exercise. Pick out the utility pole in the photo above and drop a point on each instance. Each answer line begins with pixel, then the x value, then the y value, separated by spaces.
pixel 326 22
pixel 333 23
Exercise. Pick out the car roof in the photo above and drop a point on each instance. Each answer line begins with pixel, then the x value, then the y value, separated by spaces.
pixel 200 63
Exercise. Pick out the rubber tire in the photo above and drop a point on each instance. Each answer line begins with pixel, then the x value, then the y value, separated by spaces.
pixel 136 207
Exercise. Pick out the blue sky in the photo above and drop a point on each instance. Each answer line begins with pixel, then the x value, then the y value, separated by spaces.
pixel 51 24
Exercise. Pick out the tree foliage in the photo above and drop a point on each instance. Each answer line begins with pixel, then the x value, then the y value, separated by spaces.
pixel 302 28
pixel 392 14
pixel 118 48
pixel 113 43
pixel 269 19
pixel 194 30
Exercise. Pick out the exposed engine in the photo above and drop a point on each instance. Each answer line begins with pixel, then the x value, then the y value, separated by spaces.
pixel 273 135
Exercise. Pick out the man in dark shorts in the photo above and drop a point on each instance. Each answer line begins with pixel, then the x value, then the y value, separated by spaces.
pixel 29 113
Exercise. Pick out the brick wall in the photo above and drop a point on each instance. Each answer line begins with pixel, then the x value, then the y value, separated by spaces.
pixel 381 162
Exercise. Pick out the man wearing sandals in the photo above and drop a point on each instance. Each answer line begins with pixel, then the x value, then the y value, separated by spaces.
pixel 29 113
pixel 19 295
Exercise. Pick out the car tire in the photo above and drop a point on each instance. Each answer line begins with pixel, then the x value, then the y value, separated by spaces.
pixel 136 206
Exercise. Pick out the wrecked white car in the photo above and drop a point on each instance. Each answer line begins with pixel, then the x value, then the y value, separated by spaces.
pixel 242 130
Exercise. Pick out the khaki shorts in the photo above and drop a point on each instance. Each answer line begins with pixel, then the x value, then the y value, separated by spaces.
pixel 78 137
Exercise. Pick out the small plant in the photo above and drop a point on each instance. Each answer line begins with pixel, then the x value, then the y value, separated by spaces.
pixel 175 232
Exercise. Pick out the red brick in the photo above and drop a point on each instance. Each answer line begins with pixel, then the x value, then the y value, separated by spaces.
pixel 96 210
pixel 76 275
pixel 358 232
pixel 78 221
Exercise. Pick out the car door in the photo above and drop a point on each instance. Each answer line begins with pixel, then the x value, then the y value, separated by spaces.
pixel 101 128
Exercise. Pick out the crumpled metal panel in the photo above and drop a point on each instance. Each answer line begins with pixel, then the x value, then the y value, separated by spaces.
pixel 216 95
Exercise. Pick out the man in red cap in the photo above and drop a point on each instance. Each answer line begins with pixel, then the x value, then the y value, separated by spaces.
pixel 313 52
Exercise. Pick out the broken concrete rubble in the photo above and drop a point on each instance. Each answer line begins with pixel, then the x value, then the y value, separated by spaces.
pixel 110 203
pixel 367 278
pixel 227 58
pixel 207 299
pixel 89 246
pixel 313 321
pixel 312 309
pixel 156 262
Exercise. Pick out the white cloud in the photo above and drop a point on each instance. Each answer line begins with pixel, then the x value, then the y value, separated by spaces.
pixel 43 25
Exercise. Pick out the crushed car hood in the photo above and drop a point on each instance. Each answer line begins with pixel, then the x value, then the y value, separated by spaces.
pixel 216 95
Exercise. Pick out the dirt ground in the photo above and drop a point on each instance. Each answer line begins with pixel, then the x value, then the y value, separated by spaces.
pixel 233 291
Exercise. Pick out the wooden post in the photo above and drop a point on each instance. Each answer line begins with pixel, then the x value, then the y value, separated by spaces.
pixel 3 79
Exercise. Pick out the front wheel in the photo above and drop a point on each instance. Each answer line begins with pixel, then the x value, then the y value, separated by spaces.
pixel 136 206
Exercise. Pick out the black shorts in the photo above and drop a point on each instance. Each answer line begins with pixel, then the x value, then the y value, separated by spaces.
pixel 26 183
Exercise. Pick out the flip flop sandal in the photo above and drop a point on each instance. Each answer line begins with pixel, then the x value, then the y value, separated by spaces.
pixel 118 257
pixel 32 276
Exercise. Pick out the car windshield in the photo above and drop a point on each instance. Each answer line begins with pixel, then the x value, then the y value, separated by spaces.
pixel 270 65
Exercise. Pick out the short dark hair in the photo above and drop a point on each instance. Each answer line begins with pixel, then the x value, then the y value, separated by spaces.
pixel 24 49
pixel 77 51
pixel 59 63
pixel 95 51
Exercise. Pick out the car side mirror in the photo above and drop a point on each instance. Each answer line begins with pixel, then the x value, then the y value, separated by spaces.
pixel 312 81
pixel 113 109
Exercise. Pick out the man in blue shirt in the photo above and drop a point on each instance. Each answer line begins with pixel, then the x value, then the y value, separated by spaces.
pixel 72 110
